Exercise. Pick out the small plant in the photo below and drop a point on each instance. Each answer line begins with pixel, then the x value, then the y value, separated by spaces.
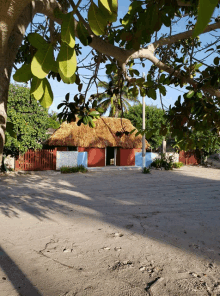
pixel 177 165
pixel 163 162
pixel 68 170
pixel 156 163
pixel 146 170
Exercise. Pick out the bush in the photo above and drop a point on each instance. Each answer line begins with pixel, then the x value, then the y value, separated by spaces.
pixel 163 162
pixel 156 163
pixel 177 165
pixel 146 170
pixel 68 170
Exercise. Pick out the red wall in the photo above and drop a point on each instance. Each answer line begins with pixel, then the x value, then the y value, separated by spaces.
pixel 190 157
pixel 96 156
pixel 127 156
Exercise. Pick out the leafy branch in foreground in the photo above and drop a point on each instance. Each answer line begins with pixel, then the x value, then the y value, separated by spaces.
pixel 119 45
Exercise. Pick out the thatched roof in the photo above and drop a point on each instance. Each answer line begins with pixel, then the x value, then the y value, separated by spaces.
pixel 103 135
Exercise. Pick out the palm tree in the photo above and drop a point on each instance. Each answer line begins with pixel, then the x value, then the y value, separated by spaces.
pixel 106 99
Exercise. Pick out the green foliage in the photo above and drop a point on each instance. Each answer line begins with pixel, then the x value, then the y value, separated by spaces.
pixel 177 165
pixel 30 121
pixel 68 170
pixel 110 98
pixel 82 34
pixel 47 98
pixel 23 74
pixel 53 121
pixel 67 30
pixel 37 41
pixel 96 20
pixel 146 170
pixel 163 162
pixel 42 61
pixel 205 11
pixel 154 118
pixel 67 60
pixel 99 16
pixel 143 21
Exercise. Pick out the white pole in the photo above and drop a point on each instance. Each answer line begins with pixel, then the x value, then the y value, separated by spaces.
pixel 143 127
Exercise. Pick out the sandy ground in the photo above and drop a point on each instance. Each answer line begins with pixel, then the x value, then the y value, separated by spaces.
pixel 111 233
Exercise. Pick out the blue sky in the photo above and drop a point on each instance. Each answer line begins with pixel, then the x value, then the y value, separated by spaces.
pixel 60 89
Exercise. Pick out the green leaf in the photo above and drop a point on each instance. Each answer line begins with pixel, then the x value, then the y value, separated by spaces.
pixel 92 124
pixel 190 94
pixel 108 9
pixel 47 98
pixel 105 4
pixel 37 41
pixel 197 66
pixel 96 20
pixel 216 61
pixel 94 113
pixel 114 9
pixel 205 11
pixel 42 61
pixel 100 110
pixel 162 78
pixel 67 30
pixel 86 120
pixel 138 133
pixel 152 93
pixel 199 95
pixel 37 88
pixel 131 132
pixel 82 34
pixel 162 90
pixel 68 80
pixel 23 74
pixel 61 105
pixel 67 60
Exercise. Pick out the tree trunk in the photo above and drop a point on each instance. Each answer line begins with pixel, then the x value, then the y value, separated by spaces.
pixel 5 73
pixel 13 29
pixel 116 113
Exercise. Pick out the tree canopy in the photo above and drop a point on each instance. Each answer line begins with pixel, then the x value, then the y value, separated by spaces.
pixel 30 121
pixel 52 50
pixel 106 100
pixel 154 117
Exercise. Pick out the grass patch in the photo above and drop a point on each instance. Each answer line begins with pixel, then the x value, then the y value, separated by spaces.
pixel 76 169
pixel 177 165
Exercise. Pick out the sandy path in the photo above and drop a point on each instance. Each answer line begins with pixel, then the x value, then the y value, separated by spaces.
pixel 111 233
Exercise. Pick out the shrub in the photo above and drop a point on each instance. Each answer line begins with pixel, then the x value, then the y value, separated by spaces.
pixel 67 170
pixel 156 163
pixel 146 170
pixel 177 165
pixel 163 162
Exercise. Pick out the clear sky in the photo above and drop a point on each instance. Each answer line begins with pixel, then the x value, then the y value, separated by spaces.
pixel 60 89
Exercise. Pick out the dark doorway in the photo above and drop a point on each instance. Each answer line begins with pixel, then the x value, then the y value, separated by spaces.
pixel 110 155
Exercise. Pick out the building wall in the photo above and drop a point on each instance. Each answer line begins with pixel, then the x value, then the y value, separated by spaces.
pixel 70 159
pixel 151 156
pixel 127 156
pixel 96 156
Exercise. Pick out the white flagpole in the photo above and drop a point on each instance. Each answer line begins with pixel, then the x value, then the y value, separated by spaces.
pixel 143 127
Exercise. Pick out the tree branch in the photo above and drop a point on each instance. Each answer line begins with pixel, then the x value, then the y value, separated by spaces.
pixel 181 36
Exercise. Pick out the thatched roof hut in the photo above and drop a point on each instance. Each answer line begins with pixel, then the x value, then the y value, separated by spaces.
pixel 103 135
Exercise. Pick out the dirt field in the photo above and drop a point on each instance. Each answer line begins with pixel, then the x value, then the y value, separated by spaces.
pixel 111 233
